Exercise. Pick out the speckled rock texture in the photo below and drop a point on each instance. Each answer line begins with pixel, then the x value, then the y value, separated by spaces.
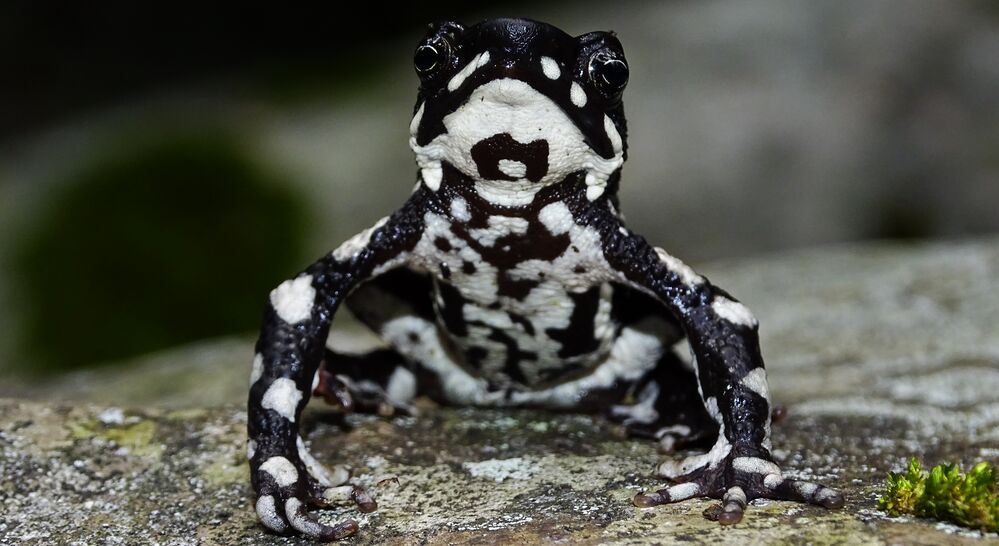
pixel 879 352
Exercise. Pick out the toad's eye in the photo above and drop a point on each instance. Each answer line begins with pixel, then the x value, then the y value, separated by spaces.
pixel 429 57
pixel 608 72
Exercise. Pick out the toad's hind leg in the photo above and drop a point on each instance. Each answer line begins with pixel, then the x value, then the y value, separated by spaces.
pixel 668 408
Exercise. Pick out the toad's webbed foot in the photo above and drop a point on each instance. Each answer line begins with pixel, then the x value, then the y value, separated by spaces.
pixel 735 480
pixel 288 486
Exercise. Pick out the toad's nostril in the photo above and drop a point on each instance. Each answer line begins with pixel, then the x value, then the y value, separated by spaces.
pixel 501 157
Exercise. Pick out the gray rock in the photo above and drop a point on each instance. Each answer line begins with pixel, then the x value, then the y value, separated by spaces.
pixel 880 352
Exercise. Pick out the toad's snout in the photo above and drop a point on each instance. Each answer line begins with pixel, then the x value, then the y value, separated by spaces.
pixel 501 157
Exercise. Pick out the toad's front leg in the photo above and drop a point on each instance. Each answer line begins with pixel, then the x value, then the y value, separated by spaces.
pixel 285 477
pixel 725 344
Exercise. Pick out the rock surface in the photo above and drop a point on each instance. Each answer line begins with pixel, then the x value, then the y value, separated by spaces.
pixel 880 352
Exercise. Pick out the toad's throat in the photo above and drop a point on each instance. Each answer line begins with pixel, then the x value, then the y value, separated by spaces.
pixel 501 157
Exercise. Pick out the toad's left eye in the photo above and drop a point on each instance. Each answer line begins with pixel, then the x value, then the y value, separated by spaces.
pixel 608 72
pixel 428 57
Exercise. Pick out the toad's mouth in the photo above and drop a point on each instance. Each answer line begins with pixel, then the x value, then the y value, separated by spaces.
pixel 501 157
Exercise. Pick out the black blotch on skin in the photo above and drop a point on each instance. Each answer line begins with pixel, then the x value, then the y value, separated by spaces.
pixel 404 286
pixel 468 268
pixel 475 355
pixel 523 322
pixel 488 153
pixel 443 244
pixel 577 338
pixel 513 288
pixel 514 356
pixel 451 309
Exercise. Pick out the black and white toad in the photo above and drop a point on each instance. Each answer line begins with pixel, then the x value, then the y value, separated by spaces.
pixel 509 279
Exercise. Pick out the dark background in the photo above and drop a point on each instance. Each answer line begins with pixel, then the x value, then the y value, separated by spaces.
pixel 163 166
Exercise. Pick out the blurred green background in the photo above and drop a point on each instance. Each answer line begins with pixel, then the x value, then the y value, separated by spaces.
pixel 162 167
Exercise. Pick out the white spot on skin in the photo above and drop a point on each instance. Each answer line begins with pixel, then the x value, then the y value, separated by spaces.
pixel 557 218
pixel 825 494
pixel 515 193
pixel 267 512
pixel 577 95
pixel 251 448
pixel 595 186
pixel 513 169
pixel 733 311
pixel 613 135
pixel 335 495
pixel 351 247
pixel 432 175
pixel 771 481
pixel 499 226
pixel 414 126
pixel 684 491
pixel 477 62
pixel 459 209
pixel 283 397
pixel 550 68
pixel 401 387
pixel 756 381
pixel 755 465
pixel 281 470
pixel 493 318
pixel 806 489
pixel 258 368
pixel 682 270
pixel 315 382
pixel 711 404
pixel 293 299
pixel 735 495
pixel 673 469
pixel 483 60
pixel 298 520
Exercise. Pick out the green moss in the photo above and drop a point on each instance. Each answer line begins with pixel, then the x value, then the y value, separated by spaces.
pixel 139 438
pixel 223 472
pixel 945 493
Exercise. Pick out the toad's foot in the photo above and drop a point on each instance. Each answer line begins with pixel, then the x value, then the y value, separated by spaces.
pixel 348 395
pixel 735 480
pixel 288 485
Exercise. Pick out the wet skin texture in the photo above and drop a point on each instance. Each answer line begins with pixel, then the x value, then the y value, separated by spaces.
pixel 508 278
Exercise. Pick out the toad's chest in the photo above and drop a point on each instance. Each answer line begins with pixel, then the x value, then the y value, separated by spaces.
pixel 524 300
